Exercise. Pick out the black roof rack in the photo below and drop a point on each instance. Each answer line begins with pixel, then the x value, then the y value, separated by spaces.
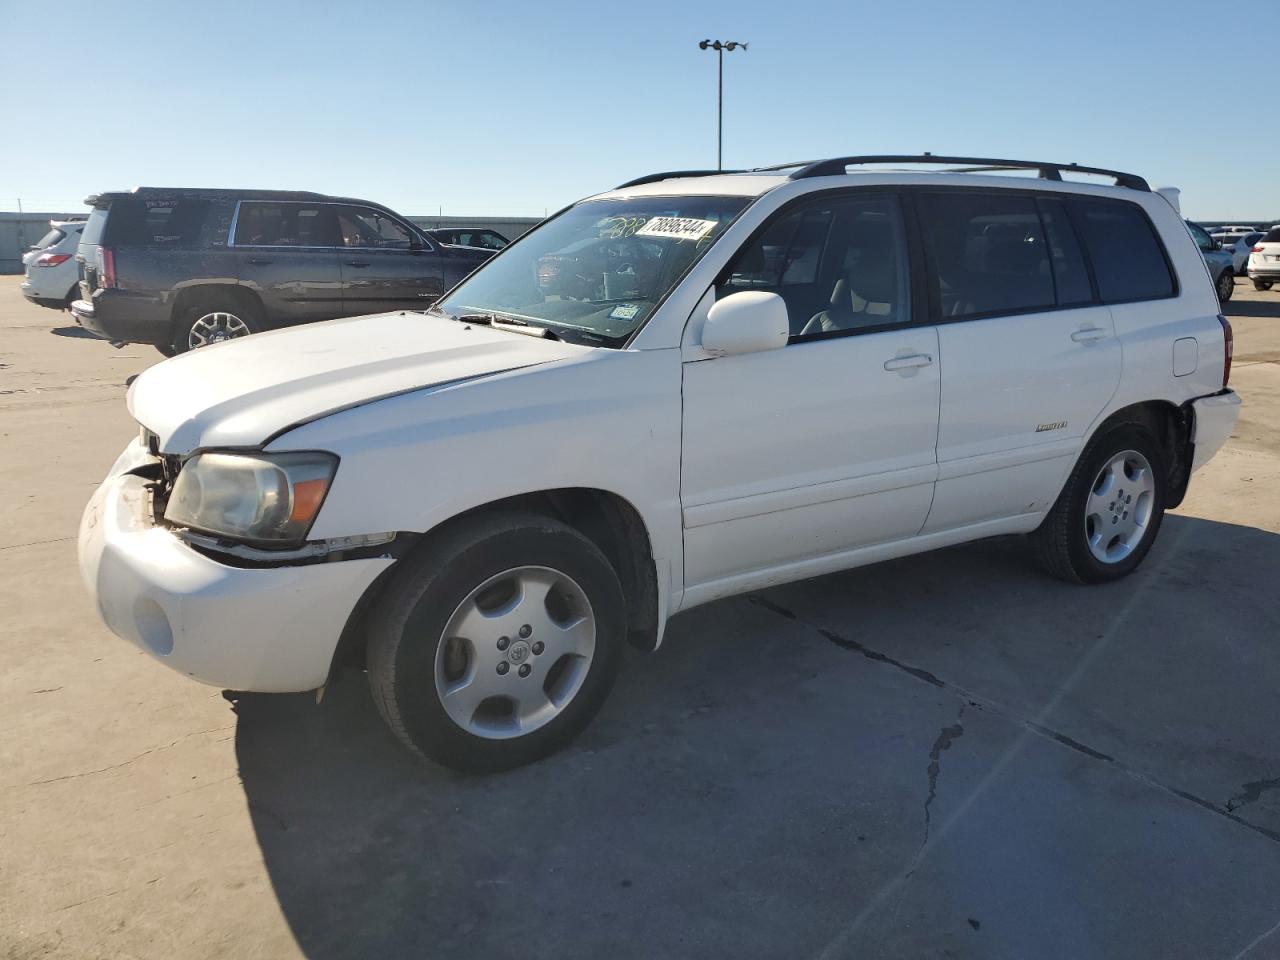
pixel 672 175
pixel 836 166
pixel 1048 171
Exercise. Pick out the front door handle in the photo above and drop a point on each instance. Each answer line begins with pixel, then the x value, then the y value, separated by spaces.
pixel 357 263
pixel 907 363
pixel 1087 334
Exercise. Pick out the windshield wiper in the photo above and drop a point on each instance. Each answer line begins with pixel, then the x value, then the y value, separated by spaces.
pixel 514 324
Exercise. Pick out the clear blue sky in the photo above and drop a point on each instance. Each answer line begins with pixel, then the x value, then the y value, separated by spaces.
pixel 507 107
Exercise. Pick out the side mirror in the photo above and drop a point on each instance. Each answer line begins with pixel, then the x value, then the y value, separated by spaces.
pixel 746 322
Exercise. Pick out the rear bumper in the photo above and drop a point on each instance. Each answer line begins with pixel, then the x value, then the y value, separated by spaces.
pixel 123 315
pixel 32 294
pixel 1215 418
pixel 1264 273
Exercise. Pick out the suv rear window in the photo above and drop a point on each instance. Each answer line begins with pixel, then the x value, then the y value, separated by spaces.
pixel 173 222
pixel 1129 262
pixel 49 239
pixel 263 224
pixel 988 253
pixel 1272 236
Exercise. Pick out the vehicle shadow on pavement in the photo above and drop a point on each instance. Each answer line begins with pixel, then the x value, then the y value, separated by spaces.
pixel 949 754
pixel 79 333
pixel 1252 308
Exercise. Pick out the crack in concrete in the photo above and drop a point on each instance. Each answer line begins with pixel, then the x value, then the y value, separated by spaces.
pixel 1038 729
pixel 1252 792
pixel 946 737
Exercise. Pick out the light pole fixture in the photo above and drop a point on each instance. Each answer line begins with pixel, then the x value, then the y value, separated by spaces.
pixel 720 48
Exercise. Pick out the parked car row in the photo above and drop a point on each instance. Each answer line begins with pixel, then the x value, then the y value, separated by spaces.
pixel 686 388
pixel 182 268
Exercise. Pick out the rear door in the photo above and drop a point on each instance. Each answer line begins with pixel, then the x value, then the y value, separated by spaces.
pixel 287 251
pixel 385 265
pixel 1029 358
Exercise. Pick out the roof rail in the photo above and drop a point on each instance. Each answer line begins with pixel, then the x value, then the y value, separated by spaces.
pixel 1048 171
pixel 672 175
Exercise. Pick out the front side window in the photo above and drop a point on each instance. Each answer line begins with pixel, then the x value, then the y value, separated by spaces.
pixel 988 252
pixel 840 265
pixel 264 224
pixel 596 272
pixel 1127 257
pixel 369 228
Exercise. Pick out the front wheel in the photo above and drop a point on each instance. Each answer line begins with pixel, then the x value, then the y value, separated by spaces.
pixel 1226 286
pixel 1262 284
pixel 497 644
pixel 1109 513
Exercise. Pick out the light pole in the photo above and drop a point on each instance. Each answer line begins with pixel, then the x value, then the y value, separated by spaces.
pixel 720 48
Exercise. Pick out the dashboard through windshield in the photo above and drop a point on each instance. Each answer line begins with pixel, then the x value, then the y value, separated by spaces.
pixel 596 272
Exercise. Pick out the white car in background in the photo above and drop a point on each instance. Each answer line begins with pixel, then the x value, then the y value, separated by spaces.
pixel 1240 247
pixel 52 275
pixel 718 383
pixel 1264 260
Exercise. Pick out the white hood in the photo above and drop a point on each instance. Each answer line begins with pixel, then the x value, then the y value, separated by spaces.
pixel 242 392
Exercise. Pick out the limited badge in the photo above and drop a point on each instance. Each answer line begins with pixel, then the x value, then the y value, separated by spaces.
pixel 676 228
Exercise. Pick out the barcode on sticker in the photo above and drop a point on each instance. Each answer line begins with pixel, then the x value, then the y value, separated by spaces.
pixel 676 228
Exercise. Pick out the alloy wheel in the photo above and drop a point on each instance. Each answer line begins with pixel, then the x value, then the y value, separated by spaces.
pixel 1118 510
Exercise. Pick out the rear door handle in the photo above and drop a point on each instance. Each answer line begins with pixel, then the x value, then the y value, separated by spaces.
pixel 1087 334
pixel 357 263
pixel 906 363
pixel 259 261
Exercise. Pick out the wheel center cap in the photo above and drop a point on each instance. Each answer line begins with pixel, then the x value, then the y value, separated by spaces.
pixel 519 652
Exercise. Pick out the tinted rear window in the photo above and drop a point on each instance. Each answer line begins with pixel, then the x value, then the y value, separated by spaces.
pixel 988 252
pixel 93 228
pixel 173 222
pixel 1272 236
pixel 1128 260
pixel 286 225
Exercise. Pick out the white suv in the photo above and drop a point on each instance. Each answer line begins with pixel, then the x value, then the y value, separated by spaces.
pixel 1264 260
pixel 53 276
pixel 690 387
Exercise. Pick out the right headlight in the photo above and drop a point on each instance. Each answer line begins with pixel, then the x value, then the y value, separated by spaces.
pixel 259 497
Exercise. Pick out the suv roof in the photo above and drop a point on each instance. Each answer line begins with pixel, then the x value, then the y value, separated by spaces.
pixel 220 193
pixel 837 166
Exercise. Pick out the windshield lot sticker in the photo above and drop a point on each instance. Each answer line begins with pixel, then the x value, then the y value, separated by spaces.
pixel 676 228
pixel 626 311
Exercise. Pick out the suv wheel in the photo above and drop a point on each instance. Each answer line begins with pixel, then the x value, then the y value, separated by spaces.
pixel 210 323
pixel 1262 284
pixel 1226 286
pixel 497 645
pixel 1109 513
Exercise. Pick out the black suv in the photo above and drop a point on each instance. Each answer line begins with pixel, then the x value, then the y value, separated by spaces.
pixel 182 268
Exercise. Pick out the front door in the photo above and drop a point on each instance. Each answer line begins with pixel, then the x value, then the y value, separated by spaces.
pixel 385 265
pixel 287 252
pixel 827 444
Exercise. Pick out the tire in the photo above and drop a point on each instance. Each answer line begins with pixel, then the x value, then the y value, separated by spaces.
pixel 461 700
pixel 1226 285
pixel 1262 284
pixel 213 321
pixel 71 298
pixel 1073 535
pixel 166 349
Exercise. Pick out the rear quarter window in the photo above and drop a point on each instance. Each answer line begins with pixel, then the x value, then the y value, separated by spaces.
pixel 1129 261
pixel 172 222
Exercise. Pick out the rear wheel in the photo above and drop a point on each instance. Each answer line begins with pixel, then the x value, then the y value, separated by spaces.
pixel 1262 284
pixel 498 644
pixel 213 322
pixel 1226 286
pixel 1110 511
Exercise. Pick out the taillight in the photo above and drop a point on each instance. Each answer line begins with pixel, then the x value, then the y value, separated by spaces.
pixel 1228 348
pixel 52 259
pixel 1257 249
pixel 107 258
